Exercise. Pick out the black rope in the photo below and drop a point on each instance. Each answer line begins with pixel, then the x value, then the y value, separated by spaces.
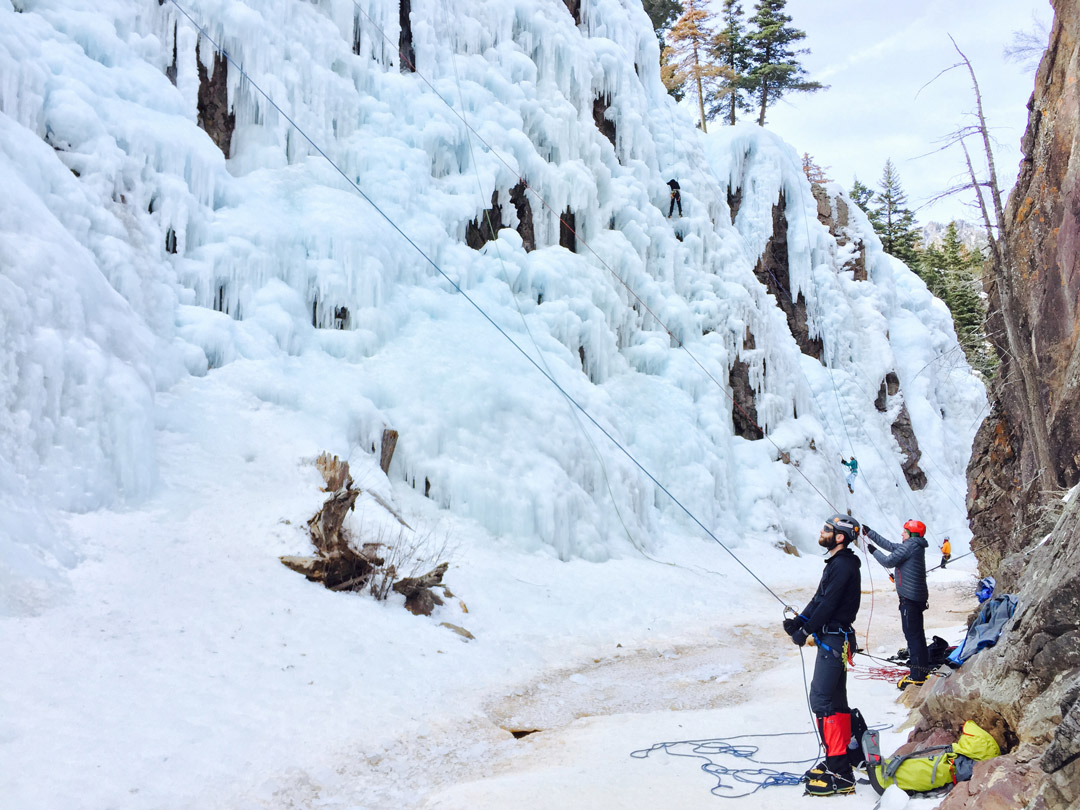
pixel 969 553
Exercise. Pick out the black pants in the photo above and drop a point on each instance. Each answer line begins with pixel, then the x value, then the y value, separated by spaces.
pixel 676 197
pixel 911 619
pixel 828 689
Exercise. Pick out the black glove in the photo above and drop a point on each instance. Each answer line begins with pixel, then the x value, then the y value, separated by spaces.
pixel 865 530
pixel 870 547
pixel 791 625
pixel 799 637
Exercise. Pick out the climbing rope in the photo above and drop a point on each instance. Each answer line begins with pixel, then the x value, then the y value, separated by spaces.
pixel 709 750
pixel 892 674
pixel 974 550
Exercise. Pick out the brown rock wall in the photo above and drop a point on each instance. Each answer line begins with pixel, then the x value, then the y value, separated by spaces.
pixel 1043 220
pixel 772 271
pixel 1027 687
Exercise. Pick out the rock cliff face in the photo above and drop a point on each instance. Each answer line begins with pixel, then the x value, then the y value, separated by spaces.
pixel 1025 690
pixel 1009 488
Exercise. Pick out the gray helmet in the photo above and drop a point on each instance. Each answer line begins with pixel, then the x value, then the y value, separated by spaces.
pixel 844 525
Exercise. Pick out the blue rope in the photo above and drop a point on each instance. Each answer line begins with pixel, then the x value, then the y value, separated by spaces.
pixel 476 306
pixel 760 778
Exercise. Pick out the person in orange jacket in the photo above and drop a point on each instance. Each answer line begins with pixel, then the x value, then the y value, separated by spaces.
pixel 946 551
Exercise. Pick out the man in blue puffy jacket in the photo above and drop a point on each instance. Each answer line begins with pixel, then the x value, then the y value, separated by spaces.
pixel 909 560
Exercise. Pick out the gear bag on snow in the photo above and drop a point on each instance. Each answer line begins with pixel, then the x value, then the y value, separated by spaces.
pixel 931 768
pixel 937 653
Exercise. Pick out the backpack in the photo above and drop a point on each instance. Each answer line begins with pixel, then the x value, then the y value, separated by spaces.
pixel 929 768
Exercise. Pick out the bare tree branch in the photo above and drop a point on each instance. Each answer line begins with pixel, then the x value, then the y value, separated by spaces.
pixel 1031 401
pixel 942 73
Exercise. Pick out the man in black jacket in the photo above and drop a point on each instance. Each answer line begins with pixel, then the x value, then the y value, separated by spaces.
pixel 909 560
pixel 828 618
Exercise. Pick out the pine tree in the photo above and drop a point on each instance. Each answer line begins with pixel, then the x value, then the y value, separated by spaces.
pixel 931 268
pixel 814 173
pixel 895 222
pixel 862 195
pixel 775 66
pixel 662 13
pixel 951 273
pixel 688 57
pixel 667 75
pixel 731 48
pixel 963 295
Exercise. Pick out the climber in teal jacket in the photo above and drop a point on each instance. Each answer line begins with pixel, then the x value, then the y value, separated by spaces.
pixel 853 470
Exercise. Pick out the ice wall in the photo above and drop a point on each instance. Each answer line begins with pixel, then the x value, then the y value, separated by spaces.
pixel 184 262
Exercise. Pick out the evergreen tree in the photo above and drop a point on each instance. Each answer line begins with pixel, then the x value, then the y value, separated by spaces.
pixel 731 48
pixel 931 268
pixel 775 68
pixel 952 273
pixel 676 91
pixel 963 294
pixel 662 13
pixel 689 56
pixel 895 222
pixel 862 195
pixel 814 173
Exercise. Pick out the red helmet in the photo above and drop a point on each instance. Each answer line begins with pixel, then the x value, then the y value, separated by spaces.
pixel 915 527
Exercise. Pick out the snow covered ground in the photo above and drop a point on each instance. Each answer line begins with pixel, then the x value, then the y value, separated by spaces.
pixel 188 668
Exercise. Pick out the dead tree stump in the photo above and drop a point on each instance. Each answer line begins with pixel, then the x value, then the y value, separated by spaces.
pixel 335 472
pixel 338 565
pixel 420 600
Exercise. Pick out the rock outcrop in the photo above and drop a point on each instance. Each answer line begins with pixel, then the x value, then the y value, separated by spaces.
pixel 1025 690
pixel 772 271
pixel 833 214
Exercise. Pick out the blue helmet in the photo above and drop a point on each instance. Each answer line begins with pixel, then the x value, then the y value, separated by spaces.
pixel 985 588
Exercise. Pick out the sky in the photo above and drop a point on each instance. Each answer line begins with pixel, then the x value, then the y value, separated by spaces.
pixel 879 105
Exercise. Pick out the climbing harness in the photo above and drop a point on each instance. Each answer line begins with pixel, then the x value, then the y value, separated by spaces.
pixel 846 651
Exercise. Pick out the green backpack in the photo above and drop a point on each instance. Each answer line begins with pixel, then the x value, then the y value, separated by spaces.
pixel 932 768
